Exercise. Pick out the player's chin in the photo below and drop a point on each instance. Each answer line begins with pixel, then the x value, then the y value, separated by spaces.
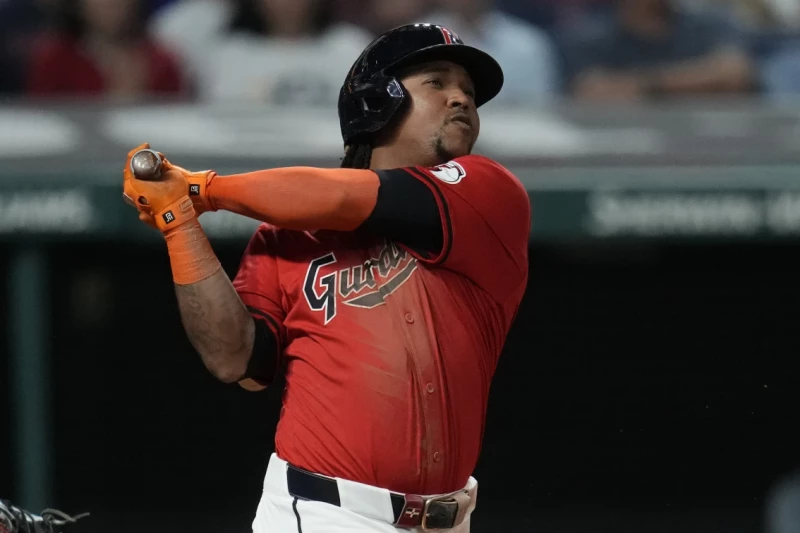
pixel 459 146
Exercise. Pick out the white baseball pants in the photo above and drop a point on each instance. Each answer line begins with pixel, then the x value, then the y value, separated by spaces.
pixel 365 509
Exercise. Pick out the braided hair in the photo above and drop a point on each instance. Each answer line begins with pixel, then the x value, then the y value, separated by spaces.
pixel 357 156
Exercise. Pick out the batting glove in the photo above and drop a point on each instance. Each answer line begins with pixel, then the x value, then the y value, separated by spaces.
pixel 176 198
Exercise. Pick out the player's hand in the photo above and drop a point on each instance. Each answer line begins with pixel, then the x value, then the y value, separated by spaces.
pixel 198 184
pixel 165 203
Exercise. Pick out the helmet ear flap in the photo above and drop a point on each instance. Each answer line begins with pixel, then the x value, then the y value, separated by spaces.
pixel 370 105
pixel 380 94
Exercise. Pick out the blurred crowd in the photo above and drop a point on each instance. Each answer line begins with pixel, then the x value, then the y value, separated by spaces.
pixel 298 51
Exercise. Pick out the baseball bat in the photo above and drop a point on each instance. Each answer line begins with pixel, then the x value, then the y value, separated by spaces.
pixel 146 165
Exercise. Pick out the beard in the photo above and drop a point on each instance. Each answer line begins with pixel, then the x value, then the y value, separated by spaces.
pixel 442 153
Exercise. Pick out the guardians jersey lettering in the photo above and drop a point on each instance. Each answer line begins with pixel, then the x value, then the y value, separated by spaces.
pixel 326 301
pixel 363 285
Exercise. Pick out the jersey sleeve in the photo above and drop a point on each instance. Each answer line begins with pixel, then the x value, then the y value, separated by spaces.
pixel 485 215
pixel 258 286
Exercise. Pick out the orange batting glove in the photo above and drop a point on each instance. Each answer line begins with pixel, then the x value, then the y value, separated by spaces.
pixel 198 185
pixel 166 205
pixel 165 202
pixel 179 196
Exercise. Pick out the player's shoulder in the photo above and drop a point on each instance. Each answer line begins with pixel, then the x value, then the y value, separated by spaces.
pixel 474 167
pixel 493 183
pixel 479 173
pixel 481 161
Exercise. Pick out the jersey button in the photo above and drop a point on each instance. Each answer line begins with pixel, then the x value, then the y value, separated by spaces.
pixel 430 388
pixel 437 457
pixel 409 318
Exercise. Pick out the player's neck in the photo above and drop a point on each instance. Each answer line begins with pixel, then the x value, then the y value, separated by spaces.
pixel 385 157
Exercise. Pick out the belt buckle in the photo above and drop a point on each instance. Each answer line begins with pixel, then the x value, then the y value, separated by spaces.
pixel 428 502
pixel 424 524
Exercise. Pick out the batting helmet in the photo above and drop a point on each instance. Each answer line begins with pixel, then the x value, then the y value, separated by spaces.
pixel 371 95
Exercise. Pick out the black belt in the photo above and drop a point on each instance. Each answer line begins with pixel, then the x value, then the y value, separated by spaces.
pixel 410 511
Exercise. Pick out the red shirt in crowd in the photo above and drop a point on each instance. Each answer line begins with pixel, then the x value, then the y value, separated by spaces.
pixel 389 354
pixel 62 66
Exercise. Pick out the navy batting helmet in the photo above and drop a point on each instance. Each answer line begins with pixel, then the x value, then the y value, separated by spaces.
pixel 371 95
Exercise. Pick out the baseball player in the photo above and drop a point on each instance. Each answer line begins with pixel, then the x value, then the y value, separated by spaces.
pixel 384 291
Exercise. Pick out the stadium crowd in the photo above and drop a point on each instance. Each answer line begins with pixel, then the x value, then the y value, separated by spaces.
pixel 296 51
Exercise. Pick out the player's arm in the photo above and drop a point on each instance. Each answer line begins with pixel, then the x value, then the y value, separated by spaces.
pixel 217 323
pixel 231 342
pixel 478 225
pixel 234 331
pixel 388 203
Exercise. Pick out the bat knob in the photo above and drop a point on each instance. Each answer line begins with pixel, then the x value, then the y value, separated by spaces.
pixel 146 165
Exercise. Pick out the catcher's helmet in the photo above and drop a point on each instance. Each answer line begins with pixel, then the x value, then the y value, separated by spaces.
pixel 371 95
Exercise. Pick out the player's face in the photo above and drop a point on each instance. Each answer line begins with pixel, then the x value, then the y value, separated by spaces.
pixel 442 120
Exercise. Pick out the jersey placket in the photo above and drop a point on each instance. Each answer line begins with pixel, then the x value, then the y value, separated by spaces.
pixel 414 331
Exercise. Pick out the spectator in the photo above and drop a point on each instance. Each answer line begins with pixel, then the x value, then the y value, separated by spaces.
pixel 525 52
pixel 554 15
pixel 100 49
pixel 779 71
pixel 651 48
pixel 157 5
pixel 191 29
pixel 383 15
pixel 21 21
pixel 760 15
pixel 281 52
pixel 787 12
pixel 775 25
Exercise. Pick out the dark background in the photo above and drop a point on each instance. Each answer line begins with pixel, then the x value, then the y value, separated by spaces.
pixel 644 386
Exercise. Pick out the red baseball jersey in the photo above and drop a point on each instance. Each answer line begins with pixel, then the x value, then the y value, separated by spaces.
pixel 388 352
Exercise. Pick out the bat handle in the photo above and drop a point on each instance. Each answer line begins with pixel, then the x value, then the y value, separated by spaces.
pixel 146 165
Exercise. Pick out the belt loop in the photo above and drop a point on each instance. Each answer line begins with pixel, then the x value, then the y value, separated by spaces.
pixel 464 501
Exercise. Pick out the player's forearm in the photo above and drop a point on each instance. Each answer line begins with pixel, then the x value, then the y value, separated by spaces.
pixel 217 323
pixel 299 198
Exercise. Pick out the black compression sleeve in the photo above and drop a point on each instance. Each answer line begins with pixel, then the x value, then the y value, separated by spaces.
pixel 405 212
pixel 263 362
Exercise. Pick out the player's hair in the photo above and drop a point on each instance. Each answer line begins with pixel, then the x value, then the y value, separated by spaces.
pixel 357 156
